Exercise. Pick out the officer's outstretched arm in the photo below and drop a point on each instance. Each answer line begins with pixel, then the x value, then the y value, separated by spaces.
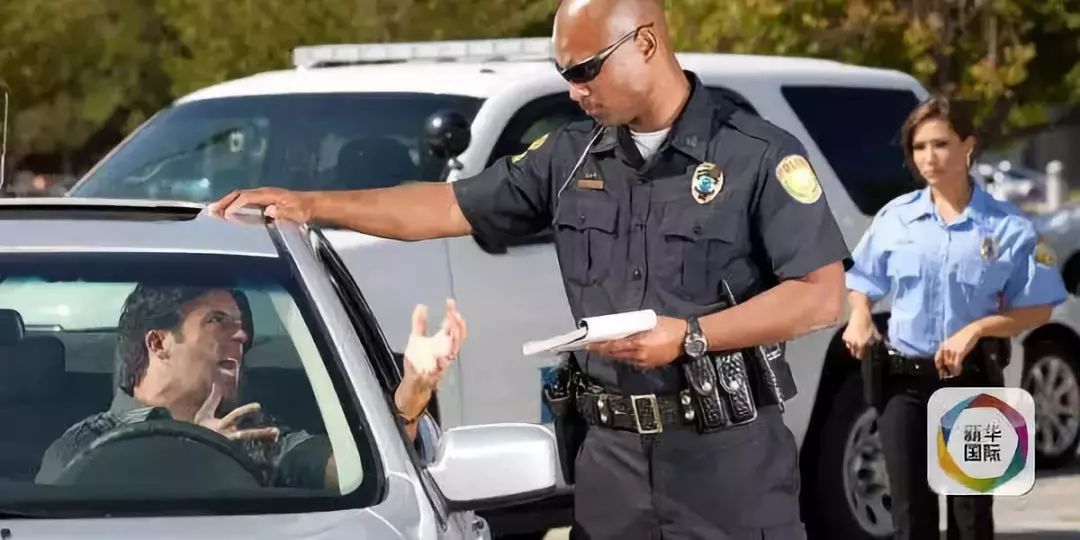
pixel 408 212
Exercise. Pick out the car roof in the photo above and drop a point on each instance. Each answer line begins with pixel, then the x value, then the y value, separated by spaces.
pixel 73 224
pixel 482 79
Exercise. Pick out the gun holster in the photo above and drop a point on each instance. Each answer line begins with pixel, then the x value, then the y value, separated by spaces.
pixel 570 427
pixel 874 373
pixel 989 359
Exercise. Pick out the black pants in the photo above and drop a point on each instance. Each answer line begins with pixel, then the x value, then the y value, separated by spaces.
pixel 736 484
pixel 914 506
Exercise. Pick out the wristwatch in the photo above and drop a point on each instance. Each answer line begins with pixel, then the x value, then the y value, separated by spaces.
pixel 694 344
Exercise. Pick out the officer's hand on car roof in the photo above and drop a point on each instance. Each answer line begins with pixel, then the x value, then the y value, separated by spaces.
pixel 278 203
pixel 652 349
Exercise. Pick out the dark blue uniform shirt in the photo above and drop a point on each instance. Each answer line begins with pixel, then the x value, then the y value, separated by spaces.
pixel 631 234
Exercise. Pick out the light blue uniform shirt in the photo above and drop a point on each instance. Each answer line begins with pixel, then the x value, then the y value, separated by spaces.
pixel 947 275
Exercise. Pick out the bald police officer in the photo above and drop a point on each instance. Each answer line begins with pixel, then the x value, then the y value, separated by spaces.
pixel 668 201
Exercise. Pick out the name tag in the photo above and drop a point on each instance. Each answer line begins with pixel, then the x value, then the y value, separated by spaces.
pixel 591 183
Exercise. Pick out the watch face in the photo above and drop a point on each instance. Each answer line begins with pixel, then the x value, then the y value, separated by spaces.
pixel 695 346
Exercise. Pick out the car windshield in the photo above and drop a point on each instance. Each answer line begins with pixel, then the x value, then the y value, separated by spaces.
pixel 119 368
pixel 201 150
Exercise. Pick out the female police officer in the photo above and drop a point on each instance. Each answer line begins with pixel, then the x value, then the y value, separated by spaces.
pixel 965 271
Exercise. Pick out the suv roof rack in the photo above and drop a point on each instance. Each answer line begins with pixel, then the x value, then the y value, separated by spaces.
pixel 316 56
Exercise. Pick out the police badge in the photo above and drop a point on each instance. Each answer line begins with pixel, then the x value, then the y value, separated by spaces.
pixel 706 182
pixel 988 249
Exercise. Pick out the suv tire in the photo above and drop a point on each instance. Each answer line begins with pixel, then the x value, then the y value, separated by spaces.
pixel 1052 377
pixel 854 504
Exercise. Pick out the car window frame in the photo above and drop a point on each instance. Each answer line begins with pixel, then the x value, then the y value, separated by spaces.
pixel 368 494
pixel 380 354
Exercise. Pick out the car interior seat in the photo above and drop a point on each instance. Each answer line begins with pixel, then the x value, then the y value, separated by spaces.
pixel 33 412
pixel 374 162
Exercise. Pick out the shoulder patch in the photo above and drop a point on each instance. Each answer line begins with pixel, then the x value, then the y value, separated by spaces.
pixel 1044 254
pixel 535 144
pixel 798 178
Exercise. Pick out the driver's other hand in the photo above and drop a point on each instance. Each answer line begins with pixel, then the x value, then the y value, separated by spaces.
pixel 228 424
pixel 427 357
pixel 277 203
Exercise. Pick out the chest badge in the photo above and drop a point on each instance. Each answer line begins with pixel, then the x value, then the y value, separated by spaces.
pixel 988 249
pixel 706 182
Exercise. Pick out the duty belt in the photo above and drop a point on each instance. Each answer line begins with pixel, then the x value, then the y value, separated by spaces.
pixel 899 364
pixel 644 414
pixel 719 394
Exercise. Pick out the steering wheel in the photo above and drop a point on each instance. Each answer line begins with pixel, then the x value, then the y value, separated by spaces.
pixel 163 456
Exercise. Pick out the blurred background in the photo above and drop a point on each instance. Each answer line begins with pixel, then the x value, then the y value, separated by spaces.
pixel 82 74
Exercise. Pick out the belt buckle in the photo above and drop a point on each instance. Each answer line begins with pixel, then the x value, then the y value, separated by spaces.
pixel 654 410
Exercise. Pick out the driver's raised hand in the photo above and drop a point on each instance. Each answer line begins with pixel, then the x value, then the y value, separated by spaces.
pixel 277 203
pixel 227 425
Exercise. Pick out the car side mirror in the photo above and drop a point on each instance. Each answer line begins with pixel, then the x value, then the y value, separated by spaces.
pixel 486 466
pixel 447 134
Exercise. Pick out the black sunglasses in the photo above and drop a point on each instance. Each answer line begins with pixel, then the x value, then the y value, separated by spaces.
pixel 587 70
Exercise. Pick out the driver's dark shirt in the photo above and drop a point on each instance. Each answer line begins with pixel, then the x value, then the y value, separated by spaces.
pixel 296 459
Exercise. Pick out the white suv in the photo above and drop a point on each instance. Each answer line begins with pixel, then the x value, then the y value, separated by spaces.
pixel 354 116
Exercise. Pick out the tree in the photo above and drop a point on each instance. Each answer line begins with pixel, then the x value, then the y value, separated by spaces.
pixel 217 41
pixel 75 70
pixel 83 73
pixel 1015 59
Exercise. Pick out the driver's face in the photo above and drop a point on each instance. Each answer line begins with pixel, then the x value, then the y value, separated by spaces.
pixel 208 348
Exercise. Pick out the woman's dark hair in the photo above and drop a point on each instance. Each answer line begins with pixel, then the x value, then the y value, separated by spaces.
pixel 957 114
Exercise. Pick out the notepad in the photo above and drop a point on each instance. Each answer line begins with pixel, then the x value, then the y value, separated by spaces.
pixel 595 329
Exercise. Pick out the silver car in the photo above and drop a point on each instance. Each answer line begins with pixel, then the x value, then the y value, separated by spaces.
pixel 317 362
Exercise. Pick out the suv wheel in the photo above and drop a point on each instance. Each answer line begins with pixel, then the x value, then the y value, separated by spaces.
pixel 1051 377
pixel 852 484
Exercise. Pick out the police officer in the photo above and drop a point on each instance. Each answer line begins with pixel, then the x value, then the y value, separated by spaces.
pixel 668 200
pixel 967 273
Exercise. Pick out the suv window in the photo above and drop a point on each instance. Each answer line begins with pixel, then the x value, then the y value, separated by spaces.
pixel 720 93
pixel 536 118
pixel 858 130
pixel 192 326
pixel 201 150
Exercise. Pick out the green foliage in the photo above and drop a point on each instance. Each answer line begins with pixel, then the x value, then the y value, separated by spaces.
pixel 1014 58
pixel 74 66
pixel 82 73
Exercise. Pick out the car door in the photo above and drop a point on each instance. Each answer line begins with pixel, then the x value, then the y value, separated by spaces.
pixel 388 368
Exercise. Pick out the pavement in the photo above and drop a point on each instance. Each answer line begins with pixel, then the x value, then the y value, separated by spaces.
pixel 1050 511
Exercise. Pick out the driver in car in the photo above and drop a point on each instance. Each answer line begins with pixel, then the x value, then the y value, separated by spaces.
pixel 180 352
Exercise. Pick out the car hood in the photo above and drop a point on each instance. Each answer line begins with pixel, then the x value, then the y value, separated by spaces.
pixel 324 525
pixel 396 517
